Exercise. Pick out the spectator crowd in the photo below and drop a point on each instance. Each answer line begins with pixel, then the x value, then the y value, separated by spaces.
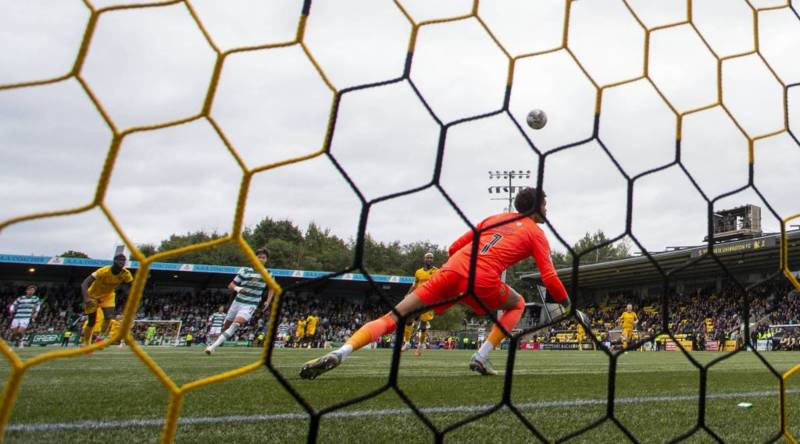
pixel 700 314
pixel 703 314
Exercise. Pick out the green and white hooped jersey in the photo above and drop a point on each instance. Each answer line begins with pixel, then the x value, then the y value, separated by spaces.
pixel 25 306
pixel 252 284
pixel 217 319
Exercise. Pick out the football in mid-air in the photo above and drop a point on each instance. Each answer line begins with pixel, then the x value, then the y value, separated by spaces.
pixel 537 119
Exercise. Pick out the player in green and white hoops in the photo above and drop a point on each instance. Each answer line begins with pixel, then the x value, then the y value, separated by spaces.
pixel 24 309
pixel 216 322
pixel 249 287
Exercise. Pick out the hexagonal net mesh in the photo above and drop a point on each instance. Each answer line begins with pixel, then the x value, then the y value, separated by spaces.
pixel 177 392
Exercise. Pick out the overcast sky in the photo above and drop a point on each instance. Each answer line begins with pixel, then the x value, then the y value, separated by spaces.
pixel 153 65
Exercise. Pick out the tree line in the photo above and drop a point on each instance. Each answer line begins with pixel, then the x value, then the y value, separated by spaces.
pixel 317 248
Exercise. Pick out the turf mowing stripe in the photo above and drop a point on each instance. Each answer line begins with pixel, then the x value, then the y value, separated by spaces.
pixel 128 423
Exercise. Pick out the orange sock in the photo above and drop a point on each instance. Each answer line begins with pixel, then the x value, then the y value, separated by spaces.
pixel 372 331
pixel 508 320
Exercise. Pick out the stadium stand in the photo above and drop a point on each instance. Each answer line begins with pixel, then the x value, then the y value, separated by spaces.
pixel 190 294
pixel 701 302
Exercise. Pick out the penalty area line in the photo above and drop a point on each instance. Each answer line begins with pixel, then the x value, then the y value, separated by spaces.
pixel 134 423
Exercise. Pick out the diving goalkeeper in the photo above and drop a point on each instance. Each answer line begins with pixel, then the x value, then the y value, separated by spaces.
pixel 502 243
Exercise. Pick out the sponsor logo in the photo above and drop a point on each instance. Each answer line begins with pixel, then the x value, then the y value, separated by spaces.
pixel 45 338
pixel 737 247
pixel 558 346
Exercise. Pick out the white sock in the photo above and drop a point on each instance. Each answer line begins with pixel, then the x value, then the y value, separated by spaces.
pixel 227 334
pixel 344 351
pixel 486 347
pixel 220 339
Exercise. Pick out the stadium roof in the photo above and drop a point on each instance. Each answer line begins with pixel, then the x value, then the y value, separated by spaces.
pixel 60 269
pixel 742 257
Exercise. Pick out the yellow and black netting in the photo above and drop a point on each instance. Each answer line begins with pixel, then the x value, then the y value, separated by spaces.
pixel 177 392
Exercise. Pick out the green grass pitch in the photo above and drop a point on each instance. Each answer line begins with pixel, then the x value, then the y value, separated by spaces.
pixel 111 397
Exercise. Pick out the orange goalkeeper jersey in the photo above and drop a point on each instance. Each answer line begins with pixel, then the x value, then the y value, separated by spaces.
pixel 503 246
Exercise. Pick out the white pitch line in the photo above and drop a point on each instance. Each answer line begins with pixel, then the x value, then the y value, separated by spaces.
pixel 128 423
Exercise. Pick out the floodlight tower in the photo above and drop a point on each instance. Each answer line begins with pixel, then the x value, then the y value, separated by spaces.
pixel 510 189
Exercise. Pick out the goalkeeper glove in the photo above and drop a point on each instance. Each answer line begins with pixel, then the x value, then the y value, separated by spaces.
pixel 566 303
pixel 583 317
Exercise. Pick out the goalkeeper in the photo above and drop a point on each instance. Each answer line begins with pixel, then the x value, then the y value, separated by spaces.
pixel 503 242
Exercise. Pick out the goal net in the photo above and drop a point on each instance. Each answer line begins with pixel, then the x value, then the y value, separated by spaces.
pixel 589 128
pixel 150 332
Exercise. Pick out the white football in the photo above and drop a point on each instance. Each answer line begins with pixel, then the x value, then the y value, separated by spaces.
pixel 537 119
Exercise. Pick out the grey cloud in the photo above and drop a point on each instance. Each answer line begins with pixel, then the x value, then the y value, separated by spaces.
pixel 53 148
pixel 273 107
pixel 149 66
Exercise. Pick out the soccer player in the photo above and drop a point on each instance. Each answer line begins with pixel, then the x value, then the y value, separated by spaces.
pixel 300 333
pixel 408 331
pixel 216 321
pixel 628 321
pixel 580 335
pixel 249 287
pixel 421 276
pixel 283 333
pixel 311 329
pixel 94 331
pixel 98 292
pixel 502 242
pixel 113 328
pixel 24 309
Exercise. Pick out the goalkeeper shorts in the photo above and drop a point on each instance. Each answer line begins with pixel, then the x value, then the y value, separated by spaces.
pixel 447 284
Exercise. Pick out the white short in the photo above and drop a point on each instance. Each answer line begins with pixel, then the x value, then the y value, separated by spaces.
pixel 215 330
pixel 20 323
pixel 238 310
